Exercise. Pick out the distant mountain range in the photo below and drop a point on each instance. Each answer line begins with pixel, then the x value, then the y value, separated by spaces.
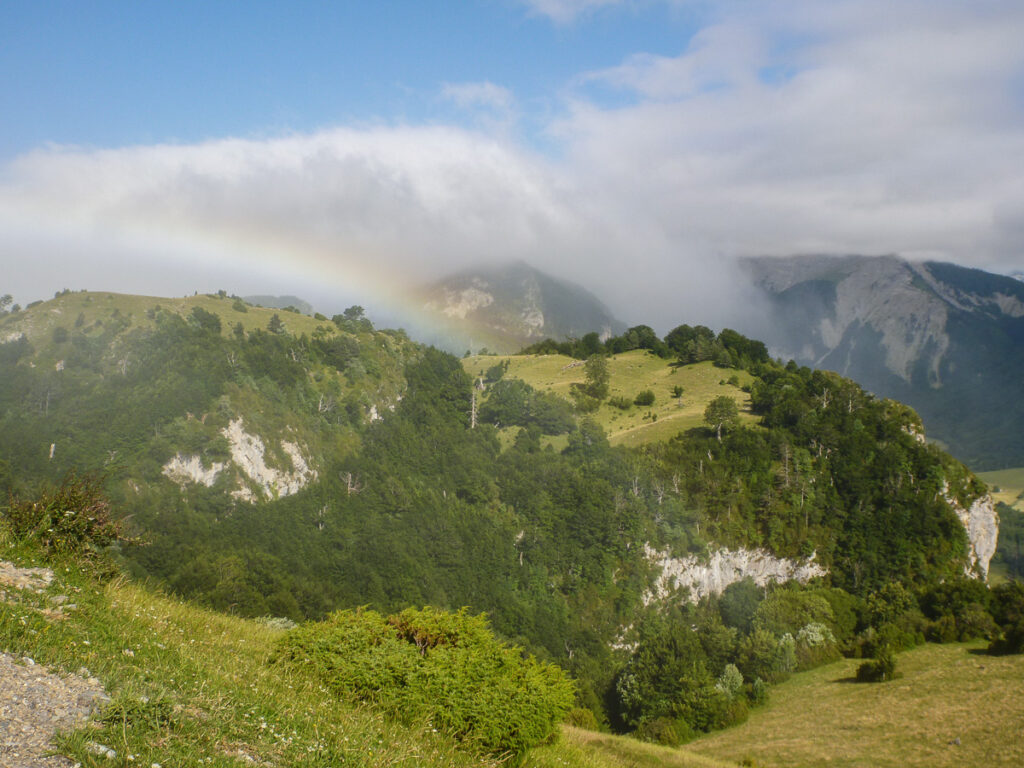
pixel 507 307
pixel 945 339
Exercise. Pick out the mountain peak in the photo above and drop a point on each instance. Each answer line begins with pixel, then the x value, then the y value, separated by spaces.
pixel 510 305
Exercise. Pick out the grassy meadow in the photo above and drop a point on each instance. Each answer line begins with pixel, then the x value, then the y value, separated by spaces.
pixel 1006 485
pixel 631 373
pixel 589 749
pixel 947 692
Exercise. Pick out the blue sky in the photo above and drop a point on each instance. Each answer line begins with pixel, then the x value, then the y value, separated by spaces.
pixel 343 150
pixel 109 74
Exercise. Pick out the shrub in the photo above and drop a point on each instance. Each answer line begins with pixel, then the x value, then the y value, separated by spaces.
pixel 757 692
pixel 645 397
pixel 730 682
pixel 879 670
pixel 1008 611
pixel 73 518
pixel 763 656
pixel 974 621
pixel 942 630
pixel 1010 640
pixel 815 645
pixel 444 668
pixel 584 402
pixel 581 717
pixel 622 403
pixel 664 731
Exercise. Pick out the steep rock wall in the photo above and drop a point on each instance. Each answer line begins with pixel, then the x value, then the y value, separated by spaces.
pixel 982 523
pixel 724 567
pixel 248 455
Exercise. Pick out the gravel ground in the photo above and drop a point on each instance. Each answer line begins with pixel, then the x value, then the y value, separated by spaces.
pixel 35 703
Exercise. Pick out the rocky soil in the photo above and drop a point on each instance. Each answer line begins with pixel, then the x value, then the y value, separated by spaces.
pixel 35 702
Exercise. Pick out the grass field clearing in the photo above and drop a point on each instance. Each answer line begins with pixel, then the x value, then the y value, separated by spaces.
pixel 632 372
pixel 947 692
pixel 1010 485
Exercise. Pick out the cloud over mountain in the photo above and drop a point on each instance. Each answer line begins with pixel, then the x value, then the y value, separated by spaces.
pixel 779 128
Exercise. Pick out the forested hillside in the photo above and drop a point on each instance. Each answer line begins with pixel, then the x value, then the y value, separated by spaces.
pixel 413 490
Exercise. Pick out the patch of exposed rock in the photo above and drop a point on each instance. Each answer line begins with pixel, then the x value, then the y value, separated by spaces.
pixel 711 575
pixel 189 469
pixel 35 704
pixel 31 579
pixel 459 303
pixel 248 454
pixel 982 524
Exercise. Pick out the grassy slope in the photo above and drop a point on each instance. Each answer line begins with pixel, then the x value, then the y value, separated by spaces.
pixel 946 692
pixel 587 749
pixel 230 707
pixel 1010 483
pixel 39 321
pixel 631 372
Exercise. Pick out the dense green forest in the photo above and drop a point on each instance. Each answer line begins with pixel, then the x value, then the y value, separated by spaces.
pixel 416 501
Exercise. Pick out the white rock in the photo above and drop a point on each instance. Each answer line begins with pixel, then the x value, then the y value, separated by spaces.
pixel 189 469
pixel 982 523
pixel 724 567
pixel 248 451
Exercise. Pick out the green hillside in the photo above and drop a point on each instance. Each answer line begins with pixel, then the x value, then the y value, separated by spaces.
pixel 631 373
pixel 190 686
pixel 947 692
pixel 295 466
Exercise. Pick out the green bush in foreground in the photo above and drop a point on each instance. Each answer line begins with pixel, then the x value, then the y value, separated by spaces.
pixel 446 669
pixel 75 517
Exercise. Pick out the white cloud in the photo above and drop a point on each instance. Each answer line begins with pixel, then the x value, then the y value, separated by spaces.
pixel 806 126
pixel 783 127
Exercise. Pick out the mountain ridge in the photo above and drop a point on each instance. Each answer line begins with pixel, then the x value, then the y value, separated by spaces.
pixel 947 340
pixel 509 306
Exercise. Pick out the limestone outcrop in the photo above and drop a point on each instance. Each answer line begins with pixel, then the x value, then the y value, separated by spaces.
pixel 711 575
pixel 248 455
pixel 982 523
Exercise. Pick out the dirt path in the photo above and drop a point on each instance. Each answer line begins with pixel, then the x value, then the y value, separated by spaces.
pixel 35 703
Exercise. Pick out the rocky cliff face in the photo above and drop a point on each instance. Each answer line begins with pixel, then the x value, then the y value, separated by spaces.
pixel 255 479
pixel 982 523
pixel 703 577
pixel 946 340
